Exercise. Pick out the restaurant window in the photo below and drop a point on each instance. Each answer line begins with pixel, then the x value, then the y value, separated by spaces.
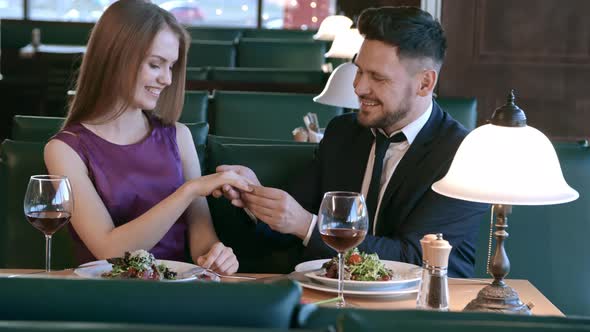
pixel 234 13
pixel 296 14
pixel 11 9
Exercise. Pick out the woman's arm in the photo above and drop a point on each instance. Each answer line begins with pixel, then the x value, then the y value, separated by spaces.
pixel 206 250
pixel 92 221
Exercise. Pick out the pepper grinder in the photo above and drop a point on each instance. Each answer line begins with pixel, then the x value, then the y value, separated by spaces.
pixel 425 281
pixel 437 297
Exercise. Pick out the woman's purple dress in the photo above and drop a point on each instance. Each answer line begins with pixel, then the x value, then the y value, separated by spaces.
pixel 131 179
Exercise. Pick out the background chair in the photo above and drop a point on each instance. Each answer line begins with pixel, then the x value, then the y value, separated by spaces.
pixel 199 132
pixel 264 115
pixel 274 165
pixel 22 245
pixel 273 53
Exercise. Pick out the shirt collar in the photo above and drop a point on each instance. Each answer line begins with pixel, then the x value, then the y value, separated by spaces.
pixel 413 128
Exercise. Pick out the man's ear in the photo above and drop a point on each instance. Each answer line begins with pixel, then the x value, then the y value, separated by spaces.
pixel 427 82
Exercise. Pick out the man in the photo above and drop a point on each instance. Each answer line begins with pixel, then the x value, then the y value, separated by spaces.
pixel 392 150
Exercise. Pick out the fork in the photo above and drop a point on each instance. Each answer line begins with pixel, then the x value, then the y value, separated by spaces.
pixel 199 269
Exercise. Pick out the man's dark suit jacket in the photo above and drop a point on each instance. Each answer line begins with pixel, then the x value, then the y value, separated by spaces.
pixel 409 208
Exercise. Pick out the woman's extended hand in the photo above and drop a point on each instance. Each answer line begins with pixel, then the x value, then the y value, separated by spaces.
pixel 220 259
pixel 205 185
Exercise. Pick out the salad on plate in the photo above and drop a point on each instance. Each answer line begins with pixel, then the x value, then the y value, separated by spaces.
pixel 138 264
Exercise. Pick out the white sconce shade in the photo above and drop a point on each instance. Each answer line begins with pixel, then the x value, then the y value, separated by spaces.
pixel 331 25
pixel 506 165
pixel 339 90
pixel 346 44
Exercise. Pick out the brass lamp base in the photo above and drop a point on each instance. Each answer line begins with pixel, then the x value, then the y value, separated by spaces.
pixel 498 297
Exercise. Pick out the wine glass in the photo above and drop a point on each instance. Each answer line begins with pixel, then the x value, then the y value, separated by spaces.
pixel 48 207
pixel 343 224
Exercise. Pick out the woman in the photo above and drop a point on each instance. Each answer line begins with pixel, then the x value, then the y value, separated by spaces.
pixel 134 170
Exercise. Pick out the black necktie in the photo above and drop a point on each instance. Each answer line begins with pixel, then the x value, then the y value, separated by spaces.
pixel 381 145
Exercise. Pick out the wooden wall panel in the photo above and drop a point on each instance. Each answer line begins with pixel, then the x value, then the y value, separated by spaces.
pixel 541 48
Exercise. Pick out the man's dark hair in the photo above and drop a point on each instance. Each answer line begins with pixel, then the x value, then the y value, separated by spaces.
pixel 413 31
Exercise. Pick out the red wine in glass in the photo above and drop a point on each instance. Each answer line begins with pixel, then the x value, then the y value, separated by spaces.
pixel 48 205
pixel 342 239
pixel 48 222
pixel 343 224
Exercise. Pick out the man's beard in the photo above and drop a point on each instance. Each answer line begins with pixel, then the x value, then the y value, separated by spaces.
pixel 389 119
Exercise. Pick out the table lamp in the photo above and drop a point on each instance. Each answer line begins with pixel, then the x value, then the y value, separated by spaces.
pixel 346 44
pixel 339 90
pixel 505 163
pixel 331 25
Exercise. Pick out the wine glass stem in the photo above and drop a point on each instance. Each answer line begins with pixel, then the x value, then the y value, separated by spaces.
pixel 47 253
pixel 340 303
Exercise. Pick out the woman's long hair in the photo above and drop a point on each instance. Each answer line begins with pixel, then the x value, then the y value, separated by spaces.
pixel 116 49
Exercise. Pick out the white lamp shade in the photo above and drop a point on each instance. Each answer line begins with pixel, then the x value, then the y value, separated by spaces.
pixel 346 44
pixel 339 90
pixel 331 25
pixel 506 165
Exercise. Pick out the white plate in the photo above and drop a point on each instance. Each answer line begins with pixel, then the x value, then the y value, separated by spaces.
pixel 358 293
pixel 408 277
pixel 94 270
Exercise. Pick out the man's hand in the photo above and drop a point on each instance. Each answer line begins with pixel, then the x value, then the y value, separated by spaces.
pixel 230 192
pixel 278 209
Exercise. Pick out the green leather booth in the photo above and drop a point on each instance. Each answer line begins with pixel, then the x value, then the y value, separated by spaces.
pixel 199 132
pixel 264 114
pixel 279 34
pixel 205 53
pixel 35 128
pixel 195 107
pixel 548 244
pixel 268 75
pixel 197 74
pixel 274 165
pixel 461 109
pixel 22 245
pixel 254 305
pixel 281 53
pixel 28 326
pixel 200 33
pixel 417 321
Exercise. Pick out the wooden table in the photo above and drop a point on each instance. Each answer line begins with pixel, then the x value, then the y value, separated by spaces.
pixel 461 292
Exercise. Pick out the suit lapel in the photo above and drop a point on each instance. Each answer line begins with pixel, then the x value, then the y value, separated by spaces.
pixel 419 149
pixel 359 152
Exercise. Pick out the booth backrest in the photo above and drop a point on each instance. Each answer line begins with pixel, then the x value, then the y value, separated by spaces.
pixel 140 302
pixel 279 34
pixel 264 114
pixel 421 320
pixel 274 165
pixel 267 75
pixel 461 109
pixel 198 33
pixel 22 245
pixel 195 107
pixel 280 53
pixel 35 128
pixel 204 53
